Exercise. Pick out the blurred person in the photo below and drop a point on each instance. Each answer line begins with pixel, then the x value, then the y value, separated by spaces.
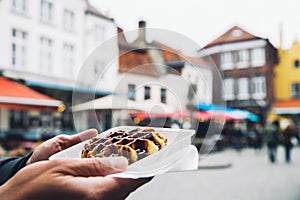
pixel 35 177
pixel 237 137
pixel 255 137
pixel 287 136
pixel 272 132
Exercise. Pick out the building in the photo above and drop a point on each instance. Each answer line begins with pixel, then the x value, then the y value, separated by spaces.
pixel 156 79
pixel 287 83
pixel 44 44
pixel 246 63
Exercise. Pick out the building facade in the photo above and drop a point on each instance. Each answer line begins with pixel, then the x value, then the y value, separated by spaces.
pixel 44 43
pixel 160 81
pixel 246 63
pixel 287 83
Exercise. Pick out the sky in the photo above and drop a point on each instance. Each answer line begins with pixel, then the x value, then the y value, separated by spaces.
pixel 204 20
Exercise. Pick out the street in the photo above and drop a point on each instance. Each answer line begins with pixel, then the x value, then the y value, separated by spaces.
pixel 249 177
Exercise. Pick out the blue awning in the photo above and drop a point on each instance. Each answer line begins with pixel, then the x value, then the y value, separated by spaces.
pixel 67 88
pixel 231 112
pixel 208 107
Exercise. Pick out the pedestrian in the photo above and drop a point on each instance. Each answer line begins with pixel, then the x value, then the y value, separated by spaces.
pixel 272 131
pixel 287 136
pixel 237 137
pixel 35 177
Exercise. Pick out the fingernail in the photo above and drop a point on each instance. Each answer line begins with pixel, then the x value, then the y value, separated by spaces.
pixel 119 163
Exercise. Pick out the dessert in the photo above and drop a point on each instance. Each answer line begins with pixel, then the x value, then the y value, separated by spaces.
pixel 134 145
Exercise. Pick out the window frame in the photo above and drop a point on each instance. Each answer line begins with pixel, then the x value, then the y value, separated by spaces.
pixel 147 92
pixel 19 48
pixel 46 11
pixel 163 95
pixel 242 59
pixel 131 93
pixel 243 88
pixel 68 59
pixel 229 94
pixel 68 20
pixel 258 57
pixel 226 60
pixel 295 94
pixel 259 87
pixel 46 54
pixel 19 6
pixel 99 33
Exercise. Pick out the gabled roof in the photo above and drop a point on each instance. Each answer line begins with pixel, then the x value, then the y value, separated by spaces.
pixel 136 62
pixel 169 53
pixel 234 34
pixel 197 61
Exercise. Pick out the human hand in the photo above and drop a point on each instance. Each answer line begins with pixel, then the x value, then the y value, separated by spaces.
pixel 74 179
pixel 59 143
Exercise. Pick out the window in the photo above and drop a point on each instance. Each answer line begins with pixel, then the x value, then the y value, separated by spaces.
pixel 99 69
pixel 296 90
pixel 46 11
pixel 226 60
pixel 147 94
pixel 163 95
pixel 19 6
pixel 229 88
pixel 131 91
pixel 258 57
pixel 68 20
pixel 99 33
pixel 19 39
pixel 296 63
pixel 45 55
pixel 68 60
pixel 18 119
pixel 242 59
pixel 243 88
pixel 259 87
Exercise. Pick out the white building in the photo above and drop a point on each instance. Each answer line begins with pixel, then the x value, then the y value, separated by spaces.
pixel 45 42
pixel 48 40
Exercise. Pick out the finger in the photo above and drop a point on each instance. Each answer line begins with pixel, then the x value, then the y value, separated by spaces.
pixel 97 167
pixel 82 136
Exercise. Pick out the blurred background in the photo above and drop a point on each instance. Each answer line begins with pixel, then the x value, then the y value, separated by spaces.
pixel 226 69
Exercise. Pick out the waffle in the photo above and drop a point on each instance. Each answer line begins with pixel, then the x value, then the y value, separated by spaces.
pixel 134 145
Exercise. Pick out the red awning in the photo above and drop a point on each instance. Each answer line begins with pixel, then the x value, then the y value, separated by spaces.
pixel 200 115
pixel 16 96
pixel 289 106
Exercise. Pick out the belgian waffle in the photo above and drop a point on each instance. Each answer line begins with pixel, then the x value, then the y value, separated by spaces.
pixel 134 145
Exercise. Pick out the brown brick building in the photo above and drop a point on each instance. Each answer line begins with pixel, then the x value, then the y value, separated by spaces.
pixel 246 64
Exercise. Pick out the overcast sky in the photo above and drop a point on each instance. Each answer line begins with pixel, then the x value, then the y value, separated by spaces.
pixel 204 20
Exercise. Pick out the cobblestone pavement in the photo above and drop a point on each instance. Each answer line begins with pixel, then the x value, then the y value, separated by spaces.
pixel 249 177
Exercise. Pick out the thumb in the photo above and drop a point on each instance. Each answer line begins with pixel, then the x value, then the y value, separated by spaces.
pixel 99 166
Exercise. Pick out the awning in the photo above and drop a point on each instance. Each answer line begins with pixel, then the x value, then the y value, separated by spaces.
pixel 199 115
pixel 110 102
pixel 291 106
pixel 228 113
pixel 16 96
pixel 116 102
pixel 66 88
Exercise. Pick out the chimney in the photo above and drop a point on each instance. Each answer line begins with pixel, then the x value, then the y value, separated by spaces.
pixel 142 30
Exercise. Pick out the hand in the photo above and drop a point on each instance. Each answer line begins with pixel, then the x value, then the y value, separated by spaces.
pixel 71 179
pixel 59 143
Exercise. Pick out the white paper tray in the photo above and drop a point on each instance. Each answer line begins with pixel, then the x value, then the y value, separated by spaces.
pixel 179 144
